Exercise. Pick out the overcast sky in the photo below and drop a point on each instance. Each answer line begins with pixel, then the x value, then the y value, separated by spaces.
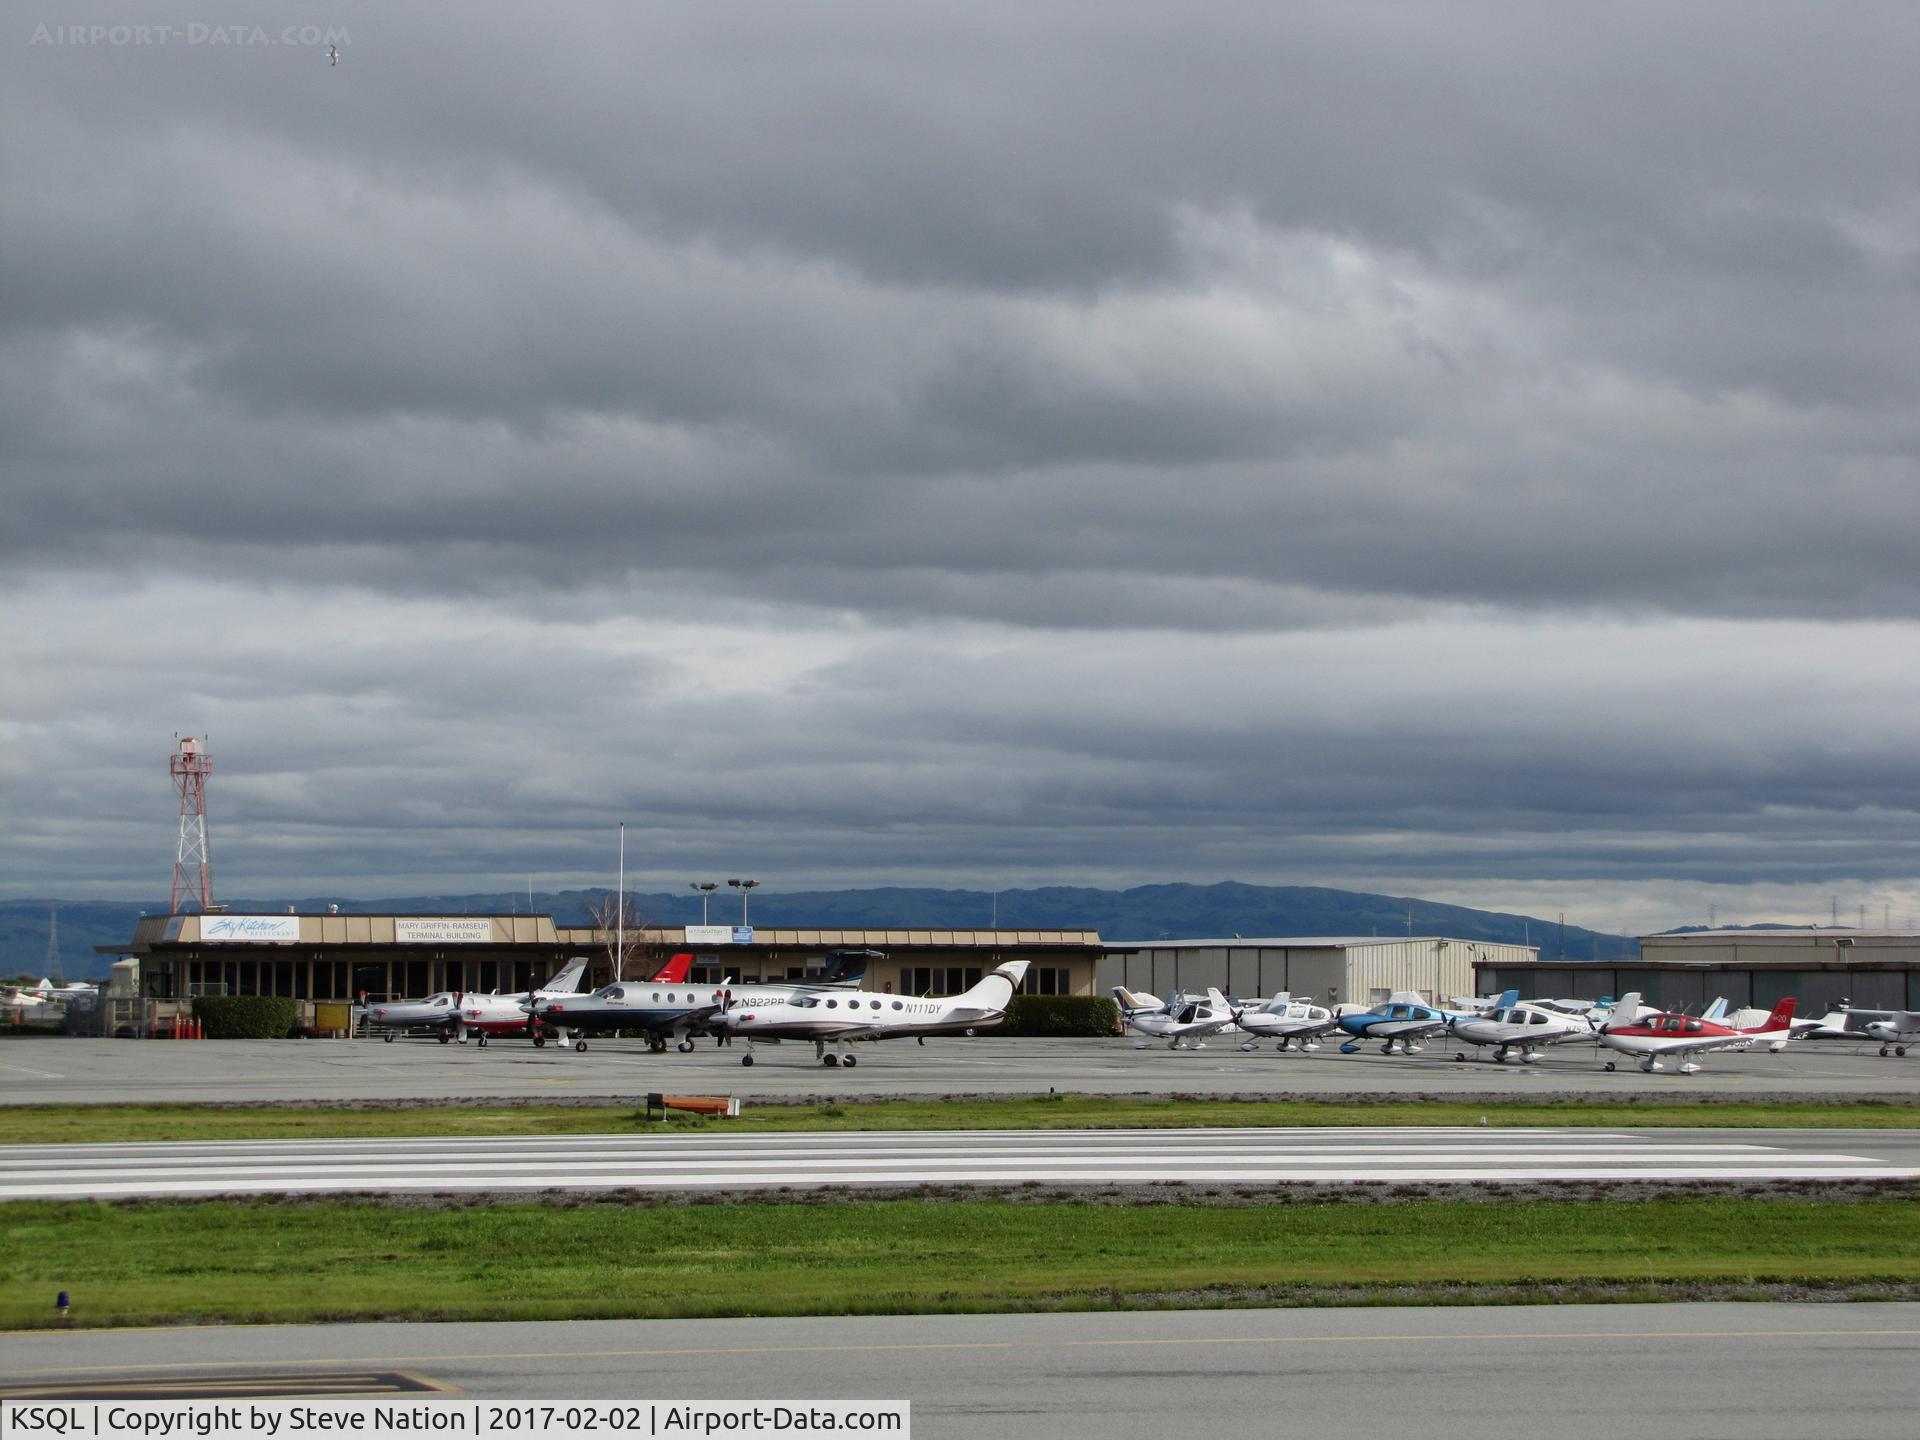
pixel 1465 450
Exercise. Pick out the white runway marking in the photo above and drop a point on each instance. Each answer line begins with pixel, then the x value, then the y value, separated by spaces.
pixel 1212 1157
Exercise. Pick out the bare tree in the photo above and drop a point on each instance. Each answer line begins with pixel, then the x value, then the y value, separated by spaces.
pixel 622 931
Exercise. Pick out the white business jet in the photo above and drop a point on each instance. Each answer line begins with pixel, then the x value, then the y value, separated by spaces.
pixel 832 1019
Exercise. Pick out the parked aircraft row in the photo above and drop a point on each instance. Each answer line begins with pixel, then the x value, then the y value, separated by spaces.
pixel 1509 1027
pixel 830 1010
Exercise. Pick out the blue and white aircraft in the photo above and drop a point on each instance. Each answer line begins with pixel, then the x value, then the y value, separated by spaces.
pixel 1404 1019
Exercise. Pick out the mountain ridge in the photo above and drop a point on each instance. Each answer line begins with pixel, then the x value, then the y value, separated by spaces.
pixel 1168 911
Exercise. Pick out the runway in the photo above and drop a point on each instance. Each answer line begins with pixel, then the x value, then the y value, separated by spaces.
pixel 1238 1157
pixel 1759 1372
pixel 300 1071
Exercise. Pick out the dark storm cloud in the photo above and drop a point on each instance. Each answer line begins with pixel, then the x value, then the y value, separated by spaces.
pixel 1054 405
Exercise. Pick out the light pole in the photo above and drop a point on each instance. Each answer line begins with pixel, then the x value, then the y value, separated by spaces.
pixel 743 886
pixel 706 889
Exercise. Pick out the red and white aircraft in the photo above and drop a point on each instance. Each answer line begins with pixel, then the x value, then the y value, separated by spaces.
pixel 1664 1033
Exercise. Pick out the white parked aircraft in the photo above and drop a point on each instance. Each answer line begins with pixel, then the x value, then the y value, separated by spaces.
pixel 1523 1028
pixel 1179 1021
pixel 1894 1029
pixel 1285 1020
pixel 453 1013
pixel 833 1019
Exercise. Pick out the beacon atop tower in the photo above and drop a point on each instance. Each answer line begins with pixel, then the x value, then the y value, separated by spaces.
pixel 193 864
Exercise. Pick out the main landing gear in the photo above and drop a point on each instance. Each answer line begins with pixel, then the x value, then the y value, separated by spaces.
pixel 1896 1049
pixel 830 1059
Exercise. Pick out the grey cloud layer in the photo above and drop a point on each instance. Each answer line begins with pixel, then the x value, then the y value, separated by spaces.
pixel 1094 419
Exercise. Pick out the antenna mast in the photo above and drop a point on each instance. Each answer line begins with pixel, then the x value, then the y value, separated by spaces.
pixel 193 862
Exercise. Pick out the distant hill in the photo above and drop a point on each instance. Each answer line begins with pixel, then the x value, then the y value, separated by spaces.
pixel 1146 912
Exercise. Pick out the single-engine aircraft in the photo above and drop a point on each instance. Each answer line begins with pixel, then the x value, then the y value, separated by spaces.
pixel 661 1007
pixel 1179 1021
pixel 1402 1020
pixel 832 1020
pixel 1522 1028
pixel 1894 1029
pixel 1285 1021
pixel 451 1014
pixel 1650 1037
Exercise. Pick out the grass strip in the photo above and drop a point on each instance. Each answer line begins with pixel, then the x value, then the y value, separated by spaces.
pixel 140 1263
pixel 56 1124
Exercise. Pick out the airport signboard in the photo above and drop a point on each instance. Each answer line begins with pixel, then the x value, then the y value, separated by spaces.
pixel 448 930
pixel 719 934
pixel 250 929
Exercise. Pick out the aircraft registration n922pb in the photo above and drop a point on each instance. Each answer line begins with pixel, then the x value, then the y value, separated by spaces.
pixel 833 1020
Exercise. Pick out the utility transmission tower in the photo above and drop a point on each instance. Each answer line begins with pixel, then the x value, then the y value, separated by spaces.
pixel 193 862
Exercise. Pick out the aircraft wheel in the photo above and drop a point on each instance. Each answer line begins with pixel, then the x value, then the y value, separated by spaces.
pixel 746 1059
pixel 445 1037
pixel 1883 1052
pixel 1609 1065
pixel 685 1046
pixel 580 1046
pixel 539 1042
pixel 830 1061
pixel 389 1037
pixel 849 1060
pixel 1900 1050
pixel 1458 1058
pixel 481 1040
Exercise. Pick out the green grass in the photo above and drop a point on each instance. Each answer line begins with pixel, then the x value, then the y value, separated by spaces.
pixel 162 1262
pixel 47 1124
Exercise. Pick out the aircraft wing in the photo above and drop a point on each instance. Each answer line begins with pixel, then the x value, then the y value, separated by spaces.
pixel 970 1016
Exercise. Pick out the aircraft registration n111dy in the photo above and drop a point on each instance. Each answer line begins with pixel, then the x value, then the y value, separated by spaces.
pixel 833 1019
pixel 1649 1037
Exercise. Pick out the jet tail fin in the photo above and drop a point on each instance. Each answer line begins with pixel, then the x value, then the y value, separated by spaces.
pixel 995 992
pixel 677 968
pixel 568 978
pixel 1782 1016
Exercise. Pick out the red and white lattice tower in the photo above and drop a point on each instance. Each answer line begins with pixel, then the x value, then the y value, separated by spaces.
pixel 193 867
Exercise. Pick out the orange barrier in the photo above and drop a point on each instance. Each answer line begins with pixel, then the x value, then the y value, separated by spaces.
pixel 698 1104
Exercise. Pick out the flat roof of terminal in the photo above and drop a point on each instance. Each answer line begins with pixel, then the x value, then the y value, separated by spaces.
pixel 1305 942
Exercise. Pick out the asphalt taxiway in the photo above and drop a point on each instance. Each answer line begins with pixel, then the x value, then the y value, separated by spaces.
pixel 1759 1372
pixel 369 1070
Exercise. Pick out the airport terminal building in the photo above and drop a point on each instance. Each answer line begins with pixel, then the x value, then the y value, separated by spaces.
pixel 336 958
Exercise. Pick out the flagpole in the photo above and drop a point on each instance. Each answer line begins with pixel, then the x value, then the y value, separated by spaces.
pixel 620 913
